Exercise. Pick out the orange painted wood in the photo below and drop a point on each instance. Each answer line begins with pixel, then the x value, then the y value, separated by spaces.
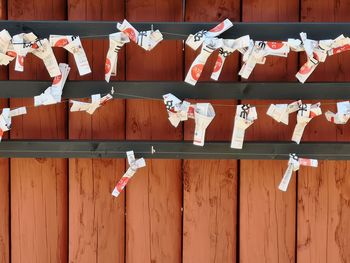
pixel 96 218
pixel 323 192
pixel 267 215
pixel 38 186
pixel 210 187
pixel 154 195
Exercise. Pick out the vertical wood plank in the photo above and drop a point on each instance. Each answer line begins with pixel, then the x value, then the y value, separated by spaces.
pixel 267 215
pixel 38 192
pixel 154 195
pixel 323 193
pixel 210 187
pixel 96 218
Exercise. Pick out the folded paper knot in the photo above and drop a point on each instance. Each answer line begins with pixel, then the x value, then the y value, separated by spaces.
pixel 53 94
pixel 203 115
pixel 96 102
pixel 6 55
pixel 145 39
pixel 245 117
pixel 294 163
pixel 280 112
pixel 306 113
pixel 343 113
pixel 257 52
pixel 73 45
pixel 5 118
pixel 177 110
pixel 135 164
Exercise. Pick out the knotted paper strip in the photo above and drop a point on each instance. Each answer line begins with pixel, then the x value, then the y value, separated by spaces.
pixel 135 164
pixel 293 165
pixel 203 115
pixel 116 42
pixel 343 113
pixel 73 45
pixel 20 47
pixel 245 116
pixel 5 56
pixel 280 112
pixel 53 94
pixel 177 109
pixel 5 118
pixel 145 39
pixel 305 114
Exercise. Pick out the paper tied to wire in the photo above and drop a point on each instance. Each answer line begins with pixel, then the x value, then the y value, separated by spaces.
pixel 257 52
pixel 280 112
pixel 228 47
pixel 5 56
pixel 306 113
pixel 135 164
pixel 116 42
pixel 203 115
pixel 53 94
pixel 196 40
pixel 245 117
pixel 74 46
pixel 343 113
pixel 177 110
pixel 195 71
pixel 90 107
pixel 294 165
pixel 5 118
pixel 340 45
pixel 145 39
pixel 316 52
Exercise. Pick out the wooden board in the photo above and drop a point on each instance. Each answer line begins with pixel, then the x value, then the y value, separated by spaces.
pixel 96 218
pixel 267 215
pixel 323 192
pixel 154 195
pixel 210 187
pixel 38 192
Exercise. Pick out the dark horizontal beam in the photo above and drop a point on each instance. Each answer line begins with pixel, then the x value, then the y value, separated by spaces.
pixel 180 30
pixel 172 150
pixel 203 90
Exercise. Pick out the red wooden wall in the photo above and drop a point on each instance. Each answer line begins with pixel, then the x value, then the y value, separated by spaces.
pixel 59 210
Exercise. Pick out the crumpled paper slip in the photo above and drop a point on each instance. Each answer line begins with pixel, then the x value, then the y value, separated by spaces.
pixel 145 39
pixel 177 110
pixel 340 45
pixel 5 118
pixel 53 94
pixel 5 40
pixel 203 115
pixel 196 40
pixel 42 49
pixel 135 164
pixel 257 52
pixel 343 113
pixel 305 114
pixel 195 71
pixel 245 117
pixel 294 165
pixel 280 112
pixel 228 47
pixel 116 42
pixel 73 45
pixel 90 107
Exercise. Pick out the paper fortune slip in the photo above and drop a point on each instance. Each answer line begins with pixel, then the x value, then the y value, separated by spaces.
pixel 280 112
pixel 90 107
pixel 73 45
pixel 228 47
pixel 5 118
pixel 53 94
pixel 196 40
pixel 116 42
pixel 257 52
pixel 135 164
pixel 203 115
pixel 339 45
pixel 305 114
pixel 343 113
pixel 5 40
pixel 145 39
pixel 245 116
pixel 177 110
pixel 195 71
pixel 293 165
